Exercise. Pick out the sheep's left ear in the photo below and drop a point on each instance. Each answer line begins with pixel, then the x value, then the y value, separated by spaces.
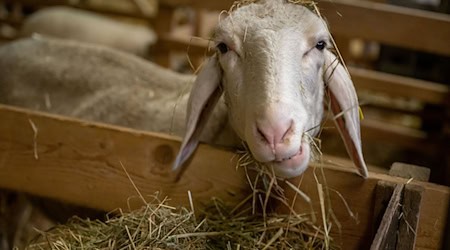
pixel 344 105
pixel 205 93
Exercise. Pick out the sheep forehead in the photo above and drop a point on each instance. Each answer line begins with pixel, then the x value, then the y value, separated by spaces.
pixel 268 15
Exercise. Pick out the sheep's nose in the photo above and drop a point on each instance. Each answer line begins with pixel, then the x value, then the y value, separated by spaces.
pixel 275 132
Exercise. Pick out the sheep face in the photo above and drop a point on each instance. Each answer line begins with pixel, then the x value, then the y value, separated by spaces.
pixel 272 81
pixel 270 64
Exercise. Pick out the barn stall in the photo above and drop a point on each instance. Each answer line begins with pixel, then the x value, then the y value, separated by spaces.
pixel 87 169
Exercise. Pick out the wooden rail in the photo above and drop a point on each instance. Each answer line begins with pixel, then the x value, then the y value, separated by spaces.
pixel 80 162
pixel 388 24
pixel 394 85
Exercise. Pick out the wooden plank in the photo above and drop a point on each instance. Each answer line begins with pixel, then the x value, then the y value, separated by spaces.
pixel 373 130
pixel 383 194
pixel 409 219
pixel 198 4
pixel 389 24
pixel 189 45
pixel 79 162
pixel 386 237
pixel 376 130
pixel 395 85
pixel 409 171
pixel 164 25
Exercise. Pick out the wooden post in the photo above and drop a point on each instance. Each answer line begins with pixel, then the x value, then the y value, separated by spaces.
pixel 386 237
pixel 398 219
pixel 409 219
pixel 408 171
pixel 164 26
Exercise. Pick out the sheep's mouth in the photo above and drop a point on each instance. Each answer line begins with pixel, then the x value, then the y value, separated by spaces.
pixel 298 154
pixel 294 165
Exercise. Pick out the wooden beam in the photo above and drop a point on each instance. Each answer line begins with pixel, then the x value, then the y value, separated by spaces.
pixel 199 4
pixel 389 24
pixel 196 46
pixel 395 85
pixel 80 162
pixel 395 134
pixel 164 25
pixel 386 237
pixel 373 130
pixel 409 219
pixel 409 171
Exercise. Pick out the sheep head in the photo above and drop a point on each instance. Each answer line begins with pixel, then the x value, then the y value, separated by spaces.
pixel 272 65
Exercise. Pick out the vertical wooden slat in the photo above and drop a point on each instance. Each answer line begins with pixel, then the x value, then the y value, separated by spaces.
pixel 163 26
pixel 409 218
pixel 386 237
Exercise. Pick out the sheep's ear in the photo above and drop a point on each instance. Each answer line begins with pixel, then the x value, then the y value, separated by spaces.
pixel 205 93
pixel 344 105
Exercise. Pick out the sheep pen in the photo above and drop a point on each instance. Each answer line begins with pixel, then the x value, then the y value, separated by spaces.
pixel 158 224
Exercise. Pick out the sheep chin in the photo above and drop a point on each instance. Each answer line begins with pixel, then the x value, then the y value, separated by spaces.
pixel 294 166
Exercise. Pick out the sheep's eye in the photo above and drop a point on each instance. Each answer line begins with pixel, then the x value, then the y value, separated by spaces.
pixel 223 48
pixel 321 45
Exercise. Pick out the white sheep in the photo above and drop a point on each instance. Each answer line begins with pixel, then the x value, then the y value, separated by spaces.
pixel 265 86
pixel 99 84
pixel 272 64
pixel 85 26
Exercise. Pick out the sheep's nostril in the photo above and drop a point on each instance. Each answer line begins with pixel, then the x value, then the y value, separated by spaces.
pixel 285 135
pixel 263 136
pixel 276 132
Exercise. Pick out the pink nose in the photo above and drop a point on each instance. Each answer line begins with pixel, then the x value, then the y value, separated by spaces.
pixel 275 132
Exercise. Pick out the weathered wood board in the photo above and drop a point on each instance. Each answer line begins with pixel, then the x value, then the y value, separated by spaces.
pixel 79 162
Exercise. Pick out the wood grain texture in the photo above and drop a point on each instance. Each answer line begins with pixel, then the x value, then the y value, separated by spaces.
pixel 399 86
pixel 389 24
pixel 383 194
pixel 356 232
pixel 412 196
pixel 409 171
pixel 79 162
pixel 386 237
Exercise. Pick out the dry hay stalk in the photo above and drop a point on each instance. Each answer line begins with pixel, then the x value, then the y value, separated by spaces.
pixel 248 225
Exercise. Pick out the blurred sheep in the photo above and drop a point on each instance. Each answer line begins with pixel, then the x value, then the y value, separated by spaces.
pixel 85 26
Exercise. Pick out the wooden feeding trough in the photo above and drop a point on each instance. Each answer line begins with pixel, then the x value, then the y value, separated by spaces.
pixel 81 163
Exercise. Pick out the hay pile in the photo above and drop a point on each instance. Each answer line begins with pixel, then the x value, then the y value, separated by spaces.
pixel 159 226
pixel 248 225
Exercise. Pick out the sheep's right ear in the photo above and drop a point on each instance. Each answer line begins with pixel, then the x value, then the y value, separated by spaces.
pixel 345 108
pixel 205 93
